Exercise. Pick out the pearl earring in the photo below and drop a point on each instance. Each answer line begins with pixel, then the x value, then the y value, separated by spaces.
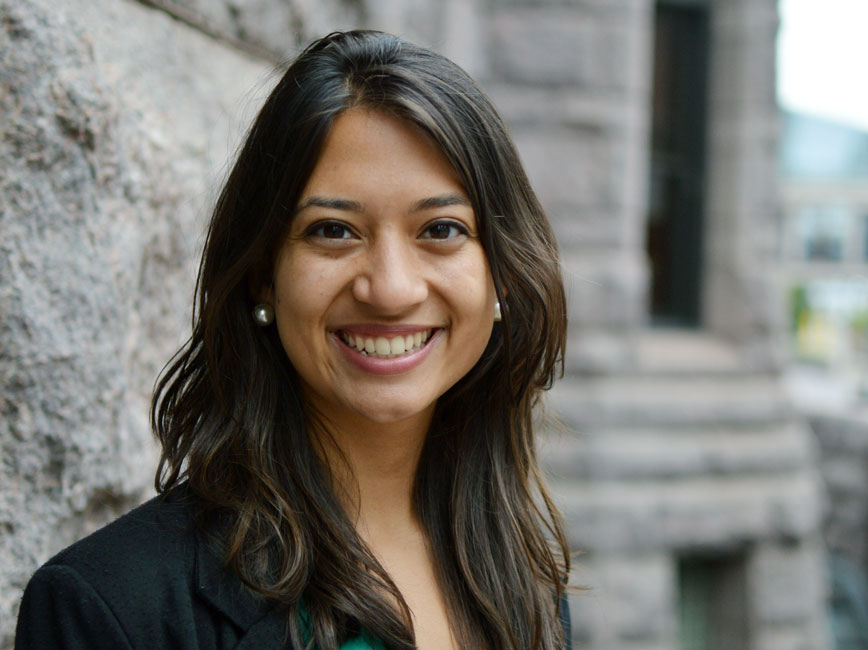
pixel 497 315
pixel 263 314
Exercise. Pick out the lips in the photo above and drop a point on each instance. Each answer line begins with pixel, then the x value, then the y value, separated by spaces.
pixel 385 345
pixel 350 339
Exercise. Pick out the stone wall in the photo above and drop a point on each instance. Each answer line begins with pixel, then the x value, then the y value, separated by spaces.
pixel 843 445
pixel 676 448
pixel 573 80
pixel 117 124
pixel 742 301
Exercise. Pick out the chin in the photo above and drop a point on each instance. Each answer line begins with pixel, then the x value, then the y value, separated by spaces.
pixel 389 417
pixel 399 412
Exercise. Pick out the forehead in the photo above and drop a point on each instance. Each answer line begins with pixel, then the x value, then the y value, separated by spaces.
pixel 369 152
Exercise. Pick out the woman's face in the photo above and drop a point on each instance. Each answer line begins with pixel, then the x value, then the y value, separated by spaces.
pixel 382 294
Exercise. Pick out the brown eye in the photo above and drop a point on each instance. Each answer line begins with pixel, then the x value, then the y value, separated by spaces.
pixel 330 230
pixel 443 230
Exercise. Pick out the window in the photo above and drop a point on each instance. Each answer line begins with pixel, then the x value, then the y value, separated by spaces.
pixel 675 211
pixel 712 611
pixel 823 231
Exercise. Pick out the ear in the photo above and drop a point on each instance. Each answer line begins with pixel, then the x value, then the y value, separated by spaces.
pixel 265 295
pixel 260 288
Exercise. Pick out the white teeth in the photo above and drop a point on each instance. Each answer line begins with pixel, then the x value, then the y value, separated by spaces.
pixel 384 347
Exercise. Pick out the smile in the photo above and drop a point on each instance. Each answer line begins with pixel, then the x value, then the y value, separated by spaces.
pixel 386 347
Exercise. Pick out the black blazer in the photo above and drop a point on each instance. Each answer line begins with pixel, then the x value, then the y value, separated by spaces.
pixel 147 582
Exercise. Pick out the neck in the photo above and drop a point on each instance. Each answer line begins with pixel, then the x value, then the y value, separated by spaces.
pixel 374 469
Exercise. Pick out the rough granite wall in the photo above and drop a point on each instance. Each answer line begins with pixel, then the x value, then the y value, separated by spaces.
pixel 266 28
pixel 113 138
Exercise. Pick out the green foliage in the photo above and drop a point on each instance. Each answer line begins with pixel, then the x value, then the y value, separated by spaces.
pixel 800 306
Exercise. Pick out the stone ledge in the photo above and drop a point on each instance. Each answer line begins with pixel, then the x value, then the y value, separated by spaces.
pixel 681 454
pixel 698 515
pixel 652 400
pixel 687 352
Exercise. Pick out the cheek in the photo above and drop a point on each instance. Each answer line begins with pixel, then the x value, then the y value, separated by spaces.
pixel 469 273
pixel 471 296
pixel 474 287
pixel 301 289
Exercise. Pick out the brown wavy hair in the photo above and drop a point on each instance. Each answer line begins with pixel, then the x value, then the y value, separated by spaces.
pixel 233 424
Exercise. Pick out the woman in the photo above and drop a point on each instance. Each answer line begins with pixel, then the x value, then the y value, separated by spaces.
pixel 348 455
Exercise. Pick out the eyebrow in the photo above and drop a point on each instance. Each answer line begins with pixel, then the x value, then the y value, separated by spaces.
pixel 430 203
pixel 334 204
pixel 441 201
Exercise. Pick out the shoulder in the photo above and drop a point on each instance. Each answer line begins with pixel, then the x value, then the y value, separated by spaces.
pixel 150 548
pixel 143 581
pixel 113 587
pixel 157 527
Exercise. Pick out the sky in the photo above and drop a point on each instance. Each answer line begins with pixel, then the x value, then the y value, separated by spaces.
pixel 823 59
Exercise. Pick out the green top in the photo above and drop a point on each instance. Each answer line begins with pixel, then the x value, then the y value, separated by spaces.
pixel 362 642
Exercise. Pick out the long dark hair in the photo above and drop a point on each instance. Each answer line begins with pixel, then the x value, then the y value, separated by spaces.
pixel 230 416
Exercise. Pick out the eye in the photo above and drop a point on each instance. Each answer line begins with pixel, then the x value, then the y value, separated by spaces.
pixel 330 230
pixel 443 230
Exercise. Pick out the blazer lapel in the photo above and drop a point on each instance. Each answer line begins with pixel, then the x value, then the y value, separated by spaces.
pixel 264 626
pixel 268 632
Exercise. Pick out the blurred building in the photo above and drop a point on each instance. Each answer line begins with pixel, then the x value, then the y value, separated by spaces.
pixel 689 481
pixel 649 130
pixel 824 248
pixel 824 262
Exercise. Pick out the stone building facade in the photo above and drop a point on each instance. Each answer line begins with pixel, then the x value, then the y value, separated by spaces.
pixel 687 479
pixel 843 445
pixel 680 465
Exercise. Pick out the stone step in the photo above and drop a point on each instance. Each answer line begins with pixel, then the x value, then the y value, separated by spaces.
pixel 669 351
pixel 668 400
pixel 639 454
pixel 704 512
pixel 659 352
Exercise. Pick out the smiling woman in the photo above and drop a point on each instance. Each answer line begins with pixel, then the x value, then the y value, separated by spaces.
pixel 348 448
pixel 383 251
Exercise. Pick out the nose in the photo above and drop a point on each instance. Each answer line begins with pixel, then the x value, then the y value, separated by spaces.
pixel 391 279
